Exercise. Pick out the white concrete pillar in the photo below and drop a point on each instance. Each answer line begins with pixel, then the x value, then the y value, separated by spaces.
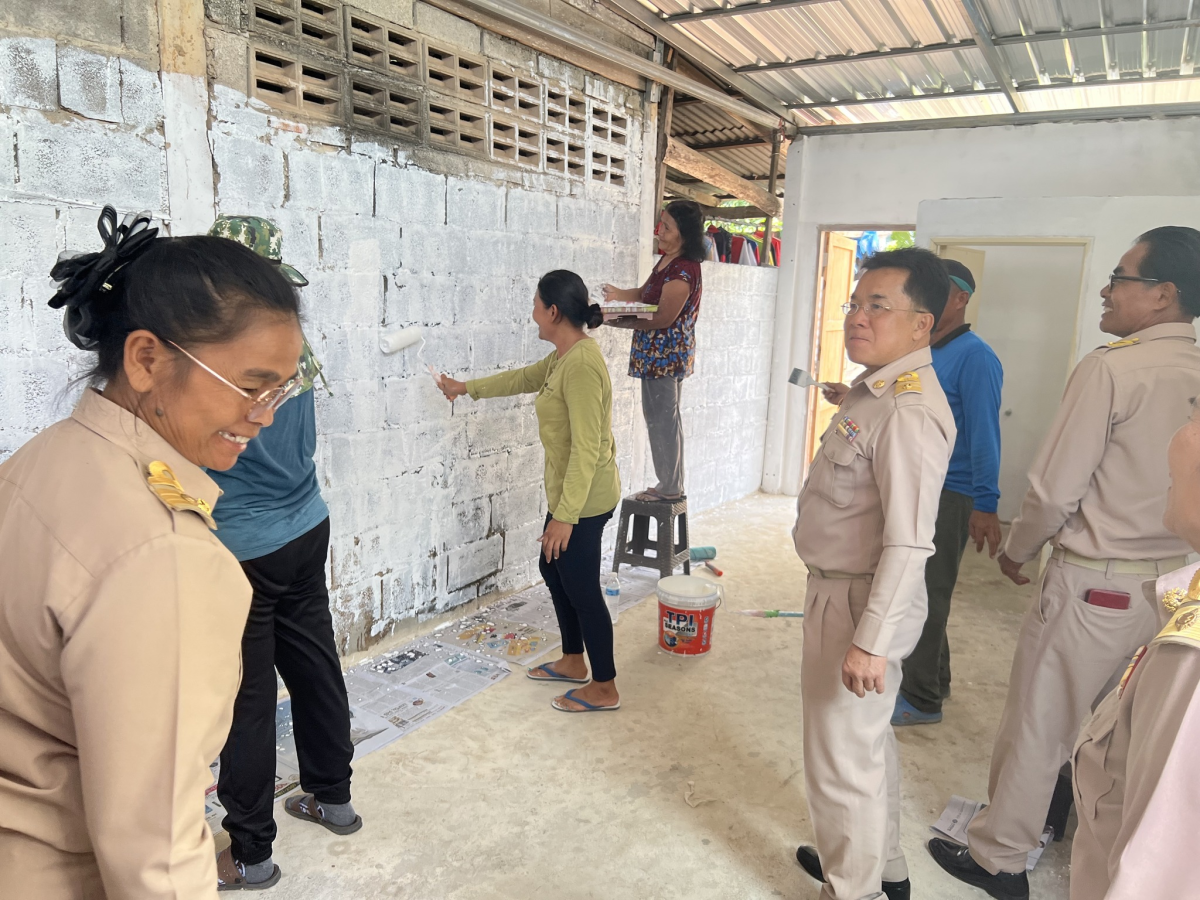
pixel 787 413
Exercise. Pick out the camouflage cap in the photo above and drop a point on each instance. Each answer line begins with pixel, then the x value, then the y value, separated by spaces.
pixel 260 235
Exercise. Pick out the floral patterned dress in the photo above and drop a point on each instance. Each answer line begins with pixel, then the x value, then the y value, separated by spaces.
pixel 668 352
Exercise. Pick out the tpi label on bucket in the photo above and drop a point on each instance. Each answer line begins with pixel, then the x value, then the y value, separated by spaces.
pixel 683 626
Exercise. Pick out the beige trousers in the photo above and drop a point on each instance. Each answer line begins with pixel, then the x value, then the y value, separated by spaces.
pixel 851 767
pixel 1069 655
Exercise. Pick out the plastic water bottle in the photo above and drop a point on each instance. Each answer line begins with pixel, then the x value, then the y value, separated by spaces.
pixel 612 597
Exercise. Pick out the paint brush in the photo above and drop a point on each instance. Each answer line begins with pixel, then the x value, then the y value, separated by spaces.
pixel 713 569
pixel 800 378
pixel 772 613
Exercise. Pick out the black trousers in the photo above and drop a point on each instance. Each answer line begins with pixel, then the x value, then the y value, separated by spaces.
pixel 926 680
pixel 289 628
pixel 574 583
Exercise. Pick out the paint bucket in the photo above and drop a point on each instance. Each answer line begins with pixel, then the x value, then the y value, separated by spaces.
pixel 686 607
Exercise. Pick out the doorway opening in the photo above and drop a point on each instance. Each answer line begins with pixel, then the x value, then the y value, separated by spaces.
pixel 837 268
pixel 1026 306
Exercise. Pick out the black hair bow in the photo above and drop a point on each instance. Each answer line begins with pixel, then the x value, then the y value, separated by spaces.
pixel 83 278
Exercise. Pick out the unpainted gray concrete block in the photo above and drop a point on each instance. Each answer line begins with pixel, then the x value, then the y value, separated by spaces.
pixel 29 73
pixel 502 49
pixel 398 11
pixel 100 23
pixel 228 60
pixel 89 83
pixel 441 26
pixel 230 13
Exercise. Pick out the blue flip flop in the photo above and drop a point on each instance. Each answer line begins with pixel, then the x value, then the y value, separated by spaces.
pixel 587 707
pixel 551 675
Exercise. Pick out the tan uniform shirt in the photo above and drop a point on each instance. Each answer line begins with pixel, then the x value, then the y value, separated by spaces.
pixel 120 632
pixel 871 498
pixel 1135 775
pixel 1098 486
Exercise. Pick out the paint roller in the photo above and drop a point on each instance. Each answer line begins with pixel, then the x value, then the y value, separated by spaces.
pixel 395 341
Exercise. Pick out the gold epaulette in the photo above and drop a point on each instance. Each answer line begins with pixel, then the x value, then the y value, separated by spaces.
pixel 908 383
pixel 1184 627
pixel 167 488
pixel 1175 597
pixel 1128 342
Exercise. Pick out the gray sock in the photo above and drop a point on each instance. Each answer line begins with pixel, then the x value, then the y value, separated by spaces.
pixel 258 872
pixel 337 813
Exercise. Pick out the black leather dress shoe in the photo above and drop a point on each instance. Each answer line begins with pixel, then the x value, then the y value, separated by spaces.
pixel 956 859
pixel 811 863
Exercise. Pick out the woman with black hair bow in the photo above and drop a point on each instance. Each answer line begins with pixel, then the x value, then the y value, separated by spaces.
pixel 121 615
pixel 663 351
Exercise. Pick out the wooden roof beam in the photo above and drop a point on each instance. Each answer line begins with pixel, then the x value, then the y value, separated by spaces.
pixel 683 158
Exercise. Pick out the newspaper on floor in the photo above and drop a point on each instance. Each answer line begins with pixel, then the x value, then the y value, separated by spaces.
pixel 511 641
pixel 953 822
pixel 397 692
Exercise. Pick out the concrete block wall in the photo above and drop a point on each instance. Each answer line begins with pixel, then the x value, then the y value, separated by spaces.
pixel 79 127
pixel 433 505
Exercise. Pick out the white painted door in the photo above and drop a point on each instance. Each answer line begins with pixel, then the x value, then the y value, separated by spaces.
pixel 1025 306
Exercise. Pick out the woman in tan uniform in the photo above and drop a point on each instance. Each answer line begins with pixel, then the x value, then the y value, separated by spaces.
pixel 121 615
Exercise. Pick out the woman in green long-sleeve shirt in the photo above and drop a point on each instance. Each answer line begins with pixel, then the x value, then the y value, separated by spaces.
pixel 574 410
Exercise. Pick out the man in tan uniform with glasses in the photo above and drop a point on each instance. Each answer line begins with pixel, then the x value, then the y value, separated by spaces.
pixel 864 527
pixel 1098 489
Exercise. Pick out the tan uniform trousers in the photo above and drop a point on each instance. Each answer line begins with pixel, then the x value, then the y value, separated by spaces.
pixel 851 766
pixel 1069 655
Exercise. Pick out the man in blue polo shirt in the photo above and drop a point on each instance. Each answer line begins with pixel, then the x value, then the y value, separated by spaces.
pixel 971 375
pixel 272 518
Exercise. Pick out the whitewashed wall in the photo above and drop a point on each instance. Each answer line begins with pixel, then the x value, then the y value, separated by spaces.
pixel 432 506
pixel 880 179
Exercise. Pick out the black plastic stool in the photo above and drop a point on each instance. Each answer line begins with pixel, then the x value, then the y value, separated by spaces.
pixel 668 552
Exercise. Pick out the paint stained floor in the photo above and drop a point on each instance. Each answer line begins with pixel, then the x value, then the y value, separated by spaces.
pixel 694 789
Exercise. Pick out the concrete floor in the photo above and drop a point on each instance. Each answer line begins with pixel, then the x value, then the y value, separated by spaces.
pixel 504 797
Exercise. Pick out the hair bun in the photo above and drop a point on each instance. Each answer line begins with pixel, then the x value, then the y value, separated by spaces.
pixel 84 277
pixel 595 316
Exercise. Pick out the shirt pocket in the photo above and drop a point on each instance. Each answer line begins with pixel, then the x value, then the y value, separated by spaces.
pixel 836 477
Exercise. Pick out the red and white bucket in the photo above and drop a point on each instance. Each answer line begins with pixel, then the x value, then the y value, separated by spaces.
pixel 686 607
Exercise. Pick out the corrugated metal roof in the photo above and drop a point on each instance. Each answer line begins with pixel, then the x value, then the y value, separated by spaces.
pixel 1152 66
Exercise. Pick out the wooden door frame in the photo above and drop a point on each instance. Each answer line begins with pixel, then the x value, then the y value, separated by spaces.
pixel 817 318
pixel 937 243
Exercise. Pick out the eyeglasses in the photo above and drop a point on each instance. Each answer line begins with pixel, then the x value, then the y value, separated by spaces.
pixel 1113 279
pixel 269 400
pixel 874 309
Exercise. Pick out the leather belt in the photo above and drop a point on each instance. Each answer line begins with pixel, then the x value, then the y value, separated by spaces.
pixel 844 576
pixel 1121 566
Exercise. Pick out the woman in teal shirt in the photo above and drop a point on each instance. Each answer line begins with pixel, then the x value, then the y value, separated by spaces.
pixel 574 410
